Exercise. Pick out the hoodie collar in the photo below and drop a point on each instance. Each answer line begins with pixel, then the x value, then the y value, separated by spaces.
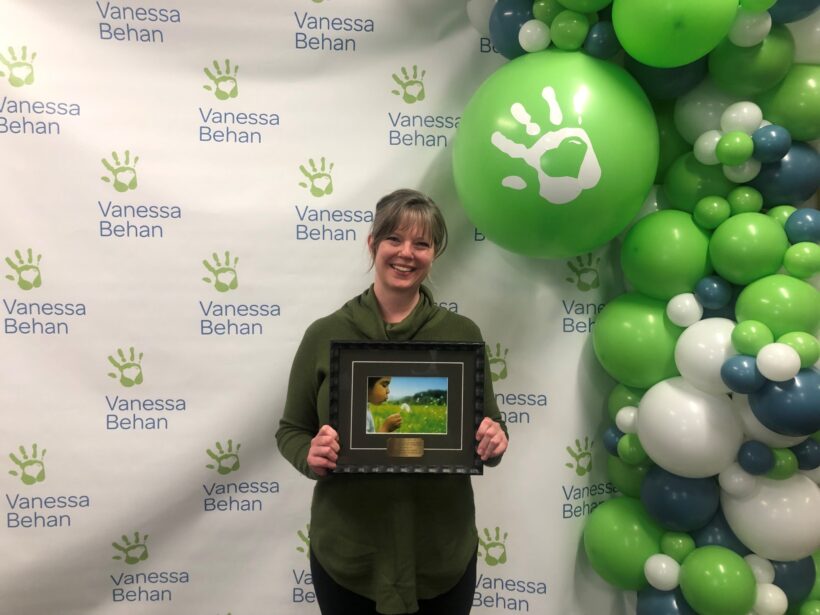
pixel 363 313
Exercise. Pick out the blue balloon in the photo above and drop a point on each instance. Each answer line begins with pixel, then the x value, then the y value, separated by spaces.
pixel 679 504
pixel 717 532
pixel 601 41
pixel 667 83
pixel 792 180
pixel 771 143
pixel 653 601
pixel 713 292
pixel 787 11
pixel 755 457
pixel 803 225
pixel 611 438
pixel 505 21
pixel 807 453
pixel 795 578
pixel 741 375
pixel 791 408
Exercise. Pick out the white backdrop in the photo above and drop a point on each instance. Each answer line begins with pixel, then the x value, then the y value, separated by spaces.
pixel 116 187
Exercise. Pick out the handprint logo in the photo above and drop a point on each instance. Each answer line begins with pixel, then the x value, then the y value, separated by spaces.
pixel 586 273
pixel 321 183
pixel 563 160
pixel 226 459
pixel 30 468
pixel 129 367
pixel 223 82
pixel 497 362
pixel 305 538
pixel 123 172
pixel 582 457
pixel 19 70
pixel 411 84
pixel 495 547
pixel 223 272
pixel 26 272
pixel 134 551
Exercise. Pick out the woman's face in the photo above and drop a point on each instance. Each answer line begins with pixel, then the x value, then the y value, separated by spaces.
pixel 379 392
pixel 402 259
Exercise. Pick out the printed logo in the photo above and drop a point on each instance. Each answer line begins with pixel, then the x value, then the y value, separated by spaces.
pixel 585 272
pixel 581 456
pixel 304 536
pixel 223 272
pixel 223 82
pixel 19 70
pixel 129 367
pixel 30 468
pixel 131 551
pixel 495 547
pixel 26 272
pixel 226 460
pixel 319 180
pixel 411 85
pixel 563 160
pixel 123 172
pixel 498 362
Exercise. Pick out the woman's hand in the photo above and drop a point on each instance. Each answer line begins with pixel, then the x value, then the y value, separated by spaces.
pixel 492 441
pixel 323 452
pixel 391 423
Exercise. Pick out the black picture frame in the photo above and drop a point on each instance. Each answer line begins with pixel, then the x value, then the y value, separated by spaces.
pixel 430 440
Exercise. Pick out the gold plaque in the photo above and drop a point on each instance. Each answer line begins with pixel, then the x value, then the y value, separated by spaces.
pixel 405 447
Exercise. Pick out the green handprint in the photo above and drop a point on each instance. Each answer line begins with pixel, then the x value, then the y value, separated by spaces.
pixel 495 547
pixel 123 173
pixel 582 457
pixel 227 460
pixel 586 273
pixel 27 272
pixel 497 362
pixel 321 182
pixel 412 85
pixel 223 274
pixel 305 538
pixel 132 552
pixel 129 368
pixel 31 468
pixel 20 71
pixel 224 82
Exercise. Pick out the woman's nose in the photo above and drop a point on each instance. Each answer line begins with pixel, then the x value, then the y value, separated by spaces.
pixel 406 249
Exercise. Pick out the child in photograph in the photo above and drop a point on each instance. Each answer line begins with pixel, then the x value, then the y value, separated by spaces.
pixel 378 389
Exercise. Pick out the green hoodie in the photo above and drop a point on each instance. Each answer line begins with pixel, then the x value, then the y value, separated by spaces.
pixel 393 539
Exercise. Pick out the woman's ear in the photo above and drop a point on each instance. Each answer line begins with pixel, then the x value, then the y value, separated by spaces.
pixel 370 244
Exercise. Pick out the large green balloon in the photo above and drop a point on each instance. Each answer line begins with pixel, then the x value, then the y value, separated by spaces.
pixel 782 303
pixel 795 102
pixel 688 181
pixel 635 341
pixel 627 478
pixel 666 253
pixel 672 32
pixel 555 154
pixel 748 71
pixel 671 144
pixel 748 247
pixel 618 539
pixel 717 581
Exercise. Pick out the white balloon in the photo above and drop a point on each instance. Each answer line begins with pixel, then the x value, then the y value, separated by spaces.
pixel 737 481
pixel 779 520
pixel 755 430
pixel 744 116
pixel 705 147
pixel 662 572
pixel 770 600
pixel 687 431
pixel 806 34
pixel 478 12
pixel 702 349
pixel 627 419
pixel 778 362
pixel 700 109
pixel 812 474
pixel 750 28
pixel 684 309
pixel 761 568
pixel 742 173
pixel 534 35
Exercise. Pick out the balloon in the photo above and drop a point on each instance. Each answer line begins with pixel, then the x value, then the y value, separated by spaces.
pixel 782 303
pixel 761 568
pixel 626 419
pixel 688 181
pixel 756 5
pixel 687 431
pixel 750 336
pixel 794 102
pixel 546 10
pixel 634 340
pixel 807 454
pixel 805 344
pixel 791 408
pixel 806 39
pixel 667 34
pixel 626 478
pixel 506 20
pixel 803 225
pixel 630 450
pixel 618 538
pixel 700 110
pixel 755 458
pixel 713 292
pixel 684 310
pixel 785 11
pixel 795 578
pixel 785 464
pixel 701 351
pixel 478 12
pixel 677 503
pixel 750 71
pixel 653 601
pixel 750 28
pixel 741 375
pixel 811 607
pixel 666 83
pixel 677 545
pixel 755 430
pixel 779 521
pixel 671 144
pixel 569 30
pixel 781 213
pixel 793 179
pixel 621 396
pixel 718 533
pixel 534 36
pixel 748 247
pixel 611 437
pixel 662 572
pixel 736 481
pixel 717 581
pixel 538 163
pixel 745 200
pixel 771 143
pixel 601 41
pixel 741 116
pixel 778 362
pixel 585 6
pixel 802 260
pixel 711 211
pixel 705 148
pixel 734 148
pixel 770 600
pixel 743 172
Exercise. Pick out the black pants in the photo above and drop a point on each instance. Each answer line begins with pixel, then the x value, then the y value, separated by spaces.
pixel 336 600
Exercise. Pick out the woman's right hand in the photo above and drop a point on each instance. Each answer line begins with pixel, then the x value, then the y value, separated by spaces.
pixel 323 452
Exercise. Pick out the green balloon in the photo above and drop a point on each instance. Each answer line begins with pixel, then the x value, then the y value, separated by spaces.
pixel 626 478
pixel 745 200
pixel 634 340
pixel 621 396
pixel 677 545
pixel 630 450
pixel 785 464
pixel 711 212
pixel 688 181
pixel 802 260
pixel 756 6
pixel 748 247
pixel 665 254
pixel 734 148
pixel 749 71
pixel 783 303
pixel 717 581
pixel 552 175
pixel 749 336
pixel 585 6
pixel 810 607
pixel 781 213
pixel 814 594
pixel 795 102
pixel 546 10
pixel 672 144
pixel 569 29
pixel 805 344
pixel 667 34
pixel 618 539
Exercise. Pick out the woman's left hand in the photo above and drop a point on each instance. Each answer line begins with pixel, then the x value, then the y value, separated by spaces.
pixel 492 441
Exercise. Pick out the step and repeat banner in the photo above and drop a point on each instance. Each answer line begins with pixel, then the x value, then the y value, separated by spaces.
pixel 186 186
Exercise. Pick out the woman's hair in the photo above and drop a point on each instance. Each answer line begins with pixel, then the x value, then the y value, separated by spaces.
pixel 405 208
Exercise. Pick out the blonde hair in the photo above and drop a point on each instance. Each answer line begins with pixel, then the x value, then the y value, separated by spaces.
pixel 407 208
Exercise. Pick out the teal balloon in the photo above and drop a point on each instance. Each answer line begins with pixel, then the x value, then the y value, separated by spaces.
pixel 540 163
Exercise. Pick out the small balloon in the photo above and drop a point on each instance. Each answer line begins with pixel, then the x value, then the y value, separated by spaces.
pixel 778 362
pixel 781 213
pixel 785 464
pixel 791 408
pixel 747 247
pixel 630 449
pixel 807 454
pixel 684 310
pixel 785 11
pixel 742 173
pixel 626 478
pixel 534 36
pixel 803 225
pixel 750 28
pixel 688 181
pixel 735 481
pixel 741 375
pixel 679 504
pixel 677 545
pixel 782 303
pixel 626 419
pixel 711 211
pixel 805 344
pixel 770 600
pixel 802 260
pixel 745 200
pixel 569 29
pixel 716 581
pixel 506 20
pixel 713 292
pixel 755 430
pixel 653 601
pixel 750 336
pixel 601 41
pixel 734 148
pixel 761 568
pixel 795 578
pixel 742 117
pixel 755 458
pixel 611 437
pixel 546 10
pixel 793 179
pixel 705 147
pixel 662 572
pixel 620 396
pixel 771 143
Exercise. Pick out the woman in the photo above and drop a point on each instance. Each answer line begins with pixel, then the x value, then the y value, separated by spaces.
pixel 380 543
